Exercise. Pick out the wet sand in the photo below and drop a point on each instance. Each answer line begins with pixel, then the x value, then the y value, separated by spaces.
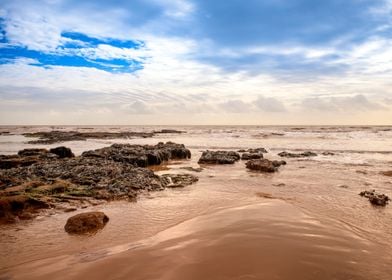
pixel 268 240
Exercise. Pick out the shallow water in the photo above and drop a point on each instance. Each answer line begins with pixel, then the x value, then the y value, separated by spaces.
pixel 316 227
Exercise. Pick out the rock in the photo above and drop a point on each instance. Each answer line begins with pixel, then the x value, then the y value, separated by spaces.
pixel 254 151
pixel 328 154
pixel 248 156
pixel 62 152
pixel 86 222
pixel 109 173
pixel 163 131
pixel 264 165
pixel 219 157
pixel 376 198
pixel 299 155
pixel 178 180
pixel 139 155
pixel 32 152
pixel 13 161
pixel 19 206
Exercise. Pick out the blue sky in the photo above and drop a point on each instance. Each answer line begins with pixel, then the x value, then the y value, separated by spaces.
pixel 227 61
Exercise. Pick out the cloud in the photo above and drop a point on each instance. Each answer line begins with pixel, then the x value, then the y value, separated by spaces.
pixel 357 103
pixel 269 104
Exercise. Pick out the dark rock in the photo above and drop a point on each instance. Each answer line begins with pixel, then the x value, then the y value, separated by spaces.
pixel 219 157
pixel 248 156
pixel 264 165
pixel 163 131
pixel 86 222
pixel 19 206
pixel 139 155
pixel 32 152
pixel 254 151
pixel 328 154
pixel 178 180
pixel 62 152
pixel 375 198
pixel 299 155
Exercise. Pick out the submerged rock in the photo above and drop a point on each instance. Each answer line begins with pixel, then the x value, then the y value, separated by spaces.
pixel 178 180
pixel 219 157
pixel 86 222
pixel 386 173
pixel 375 198
pixel 298 155
pixel 164 131
pixel 264 165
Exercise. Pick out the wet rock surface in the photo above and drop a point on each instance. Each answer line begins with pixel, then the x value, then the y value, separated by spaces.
pixel 248 156
pixel 254 151
pixel 62 152
pixel 25 157
pixel 375 198
pixel 86 222
pixel 297 155
pixel 139 155
pixel 115 172
pixel 55 136
pixel 219 157
pixel 178 180
pixel 264 165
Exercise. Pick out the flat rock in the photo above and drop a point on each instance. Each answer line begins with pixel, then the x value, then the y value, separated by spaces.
pixel 219 157
pixel 86 222
pixel 264 165
pixel 62 152
pixel 297 155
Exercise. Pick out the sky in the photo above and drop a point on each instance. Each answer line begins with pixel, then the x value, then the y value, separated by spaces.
pixel 196 62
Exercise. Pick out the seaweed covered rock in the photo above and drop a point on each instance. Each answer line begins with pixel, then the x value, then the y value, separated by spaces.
pixel 141 155
pixel 264 165
pixel 219 157
pixel 178 180
pixel 62 152
pixel 86 222
pixel 297 155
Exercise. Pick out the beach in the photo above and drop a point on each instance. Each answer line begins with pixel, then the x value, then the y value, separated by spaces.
pixel 304 221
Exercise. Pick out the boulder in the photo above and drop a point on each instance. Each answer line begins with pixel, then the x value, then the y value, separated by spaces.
pixel 297 155
pixel 62 152
pixel 86 222
pixel 264 165
pixel 375 198
pixel 219 157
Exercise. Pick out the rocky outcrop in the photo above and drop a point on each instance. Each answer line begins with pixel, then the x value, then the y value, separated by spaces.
pixel 254 151
pixel 219 157
pixel 115 172
pixel 297 155
pixel 264 165
pixel 86 222
pixel 139 155
pixel 375 198
pixel 55 136
pixel 26 157
pixel 62 152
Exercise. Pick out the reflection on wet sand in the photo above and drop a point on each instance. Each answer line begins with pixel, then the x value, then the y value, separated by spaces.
pixel 269 240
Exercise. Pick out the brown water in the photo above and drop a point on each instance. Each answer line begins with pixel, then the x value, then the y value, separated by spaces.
pixel 221 227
